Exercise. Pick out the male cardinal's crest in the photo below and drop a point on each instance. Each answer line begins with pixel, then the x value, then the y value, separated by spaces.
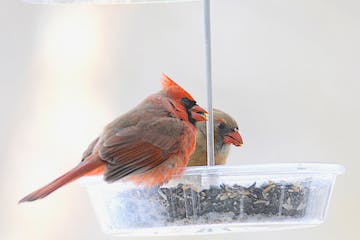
pixel 166 82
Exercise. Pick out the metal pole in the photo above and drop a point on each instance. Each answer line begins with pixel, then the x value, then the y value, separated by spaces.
pixel 209 86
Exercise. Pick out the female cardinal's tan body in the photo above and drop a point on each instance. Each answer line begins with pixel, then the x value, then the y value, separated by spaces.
pixel 148 145
pixel 225 134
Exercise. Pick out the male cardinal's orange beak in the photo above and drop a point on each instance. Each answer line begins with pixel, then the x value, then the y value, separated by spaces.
pixel 198 113
pixel 233 138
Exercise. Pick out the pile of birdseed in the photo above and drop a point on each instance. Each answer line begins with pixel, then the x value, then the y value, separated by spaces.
pixel 184 204
pixel 235 202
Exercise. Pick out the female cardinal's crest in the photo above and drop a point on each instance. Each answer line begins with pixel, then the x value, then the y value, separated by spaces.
pixel 168 83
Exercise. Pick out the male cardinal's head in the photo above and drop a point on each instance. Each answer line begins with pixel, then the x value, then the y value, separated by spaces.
pixel 225 134
pixel 183 101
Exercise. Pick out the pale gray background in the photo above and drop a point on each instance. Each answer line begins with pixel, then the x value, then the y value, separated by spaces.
pixel 288 71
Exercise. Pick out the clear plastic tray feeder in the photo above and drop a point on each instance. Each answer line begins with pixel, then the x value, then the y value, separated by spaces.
pixel 217 199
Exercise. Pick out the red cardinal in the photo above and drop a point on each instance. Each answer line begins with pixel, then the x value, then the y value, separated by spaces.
pixel 148 145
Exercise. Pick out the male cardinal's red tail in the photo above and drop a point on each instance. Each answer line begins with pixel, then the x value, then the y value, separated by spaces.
pixel 80 170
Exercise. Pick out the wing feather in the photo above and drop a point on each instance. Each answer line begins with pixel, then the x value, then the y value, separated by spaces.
pixel 90 149
pixel 140 148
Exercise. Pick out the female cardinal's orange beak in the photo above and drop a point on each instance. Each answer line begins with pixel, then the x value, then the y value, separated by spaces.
pixel 198 113
pixel 233 138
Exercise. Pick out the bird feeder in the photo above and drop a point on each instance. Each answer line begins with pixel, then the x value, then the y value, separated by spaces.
pixel 218 199
pixel 214 199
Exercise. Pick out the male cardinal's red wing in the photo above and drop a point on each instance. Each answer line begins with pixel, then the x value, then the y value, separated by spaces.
pixel 138 149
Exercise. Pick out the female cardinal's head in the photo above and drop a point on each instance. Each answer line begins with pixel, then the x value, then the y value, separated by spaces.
pixel 226 130
pixel 225 134
pixel 183 102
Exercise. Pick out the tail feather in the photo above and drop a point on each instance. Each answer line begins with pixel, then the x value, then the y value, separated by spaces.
pixel 80 170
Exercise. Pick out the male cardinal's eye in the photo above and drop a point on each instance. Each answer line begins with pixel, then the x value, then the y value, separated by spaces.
pixel 188 103
pixel 221 125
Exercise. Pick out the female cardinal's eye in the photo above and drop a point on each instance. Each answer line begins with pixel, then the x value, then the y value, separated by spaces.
pixel 221 125
pixel 188 103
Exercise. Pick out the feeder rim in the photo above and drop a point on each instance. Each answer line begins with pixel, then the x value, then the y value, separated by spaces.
pixel 269 168
pixel 317 169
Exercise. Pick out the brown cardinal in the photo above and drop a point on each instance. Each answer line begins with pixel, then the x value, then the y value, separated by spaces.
pixel 225 134
pixel 147 145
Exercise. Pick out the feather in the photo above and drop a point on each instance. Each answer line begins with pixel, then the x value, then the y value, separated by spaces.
pixel 79 171
pixel 138 150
